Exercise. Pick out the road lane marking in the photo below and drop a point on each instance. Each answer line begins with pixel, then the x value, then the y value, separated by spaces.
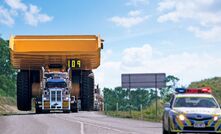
pixel 82 127
pixel 76 121
pixel 98 126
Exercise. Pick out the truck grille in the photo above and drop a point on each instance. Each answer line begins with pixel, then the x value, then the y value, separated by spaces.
pixel 58 95
pixel 55 94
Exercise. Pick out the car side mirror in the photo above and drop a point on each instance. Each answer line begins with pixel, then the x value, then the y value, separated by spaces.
pixel 167 105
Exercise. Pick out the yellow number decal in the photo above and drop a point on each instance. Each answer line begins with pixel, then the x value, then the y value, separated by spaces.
pixel 79 63
pixel 69 63
pixel 73 63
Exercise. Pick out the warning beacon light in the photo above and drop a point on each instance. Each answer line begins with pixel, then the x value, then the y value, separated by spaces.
pixel 207 90
pixel 180 90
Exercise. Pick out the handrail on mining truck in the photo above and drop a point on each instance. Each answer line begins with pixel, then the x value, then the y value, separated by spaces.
pixel 55 71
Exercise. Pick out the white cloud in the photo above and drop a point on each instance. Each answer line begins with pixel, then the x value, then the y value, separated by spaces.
pixel 187 66
pixel 16 5
pixel 137 2
pixel 31 13
pixel 134 13
pixel 201 13
pixel 6 17
pixel 165 5
pixel 134 18
pixel 108 69
pixel 135 56
pixel 33 16
pixel 212 34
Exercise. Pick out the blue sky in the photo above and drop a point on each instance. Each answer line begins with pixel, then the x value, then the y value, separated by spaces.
pixel 178 37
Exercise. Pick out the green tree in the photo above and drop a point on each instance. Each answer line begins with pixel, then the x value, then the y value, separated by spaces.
pixel 214 83
pixel 7 73
pixel 171 82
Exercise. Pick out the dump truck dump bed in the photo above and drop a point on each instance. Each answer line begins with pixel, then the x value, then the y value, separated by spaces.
pixel 33 52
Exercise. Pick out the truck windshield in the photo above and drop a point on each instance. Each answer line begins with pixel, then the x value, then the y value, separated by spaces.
pixel 56 85
pixel 205 102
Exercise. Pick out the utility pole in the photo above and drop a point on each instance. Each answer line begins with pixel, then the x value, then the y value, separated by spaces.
pixel 156 93
pixel 129 97
pixel 141 111
pixel 117 107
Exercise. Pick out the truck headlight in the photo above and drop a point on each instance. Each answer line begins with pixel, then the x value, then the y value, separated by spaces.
pixel 181 117
pixel 215 118
pixel 66 98
pixel 45 98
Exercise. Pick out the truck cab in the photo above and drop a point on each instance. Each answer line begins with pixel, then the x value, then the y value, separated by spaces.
pixel 56 93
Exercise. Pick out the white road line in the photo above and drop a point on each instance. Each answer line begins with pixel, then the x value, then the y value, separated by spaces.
pixel 67 119
pixel 82 127
pixel 113 129
pixel 98 126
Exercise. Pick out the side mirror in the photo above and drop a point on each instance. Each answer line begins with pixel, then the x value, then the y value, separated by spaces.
pixel 167 105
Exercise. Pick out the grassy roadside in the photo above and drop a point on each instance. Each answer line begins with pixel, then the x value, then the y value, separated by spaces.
pixel 7 105
pixel 147 114
pixel 134 115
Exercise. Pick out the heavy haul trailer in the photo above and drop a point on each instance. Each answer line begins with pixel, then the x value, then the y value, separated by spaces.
pixel 56 71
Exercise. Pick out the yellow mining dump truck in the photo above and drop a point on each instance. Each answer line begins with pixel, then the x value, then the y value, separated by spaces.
pixel 56 71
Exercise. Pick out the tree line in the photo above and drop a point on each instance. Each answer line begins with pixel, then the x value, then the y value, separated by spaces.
pixel 7 73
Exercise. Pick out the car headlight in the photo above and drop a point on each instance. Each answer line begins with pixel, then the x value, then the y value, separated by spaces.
pixel 215 118
pixel 181 117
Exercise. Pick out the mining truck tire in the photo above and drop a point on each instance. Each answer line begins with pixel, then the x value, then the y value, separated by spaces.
pixel 87 91
pixel 24 94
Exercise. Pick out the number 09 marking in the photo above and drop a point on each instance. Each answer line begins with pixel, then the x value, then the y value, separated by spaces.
pixel 74 63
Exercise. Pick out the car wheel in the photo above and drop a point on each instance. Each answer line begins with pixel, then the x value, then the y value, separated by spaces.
pixel 164 130
pixel 169 129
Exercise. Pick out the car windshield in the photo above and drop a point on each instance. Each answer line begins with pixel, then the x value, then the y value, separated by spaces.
pixel 204 102
pixel 56 85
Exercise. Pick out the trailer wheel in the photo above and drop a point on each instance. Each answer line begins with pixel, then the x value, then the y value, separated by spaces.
pixel 38 110
pixel 74 107
pixel 87 91
pixel 24 94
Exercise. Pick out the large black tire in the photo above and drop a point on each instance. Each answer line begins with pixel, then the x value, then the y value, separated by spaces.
pixel 24 93
pixel 74 107
pixel 87 90
pixel 35 76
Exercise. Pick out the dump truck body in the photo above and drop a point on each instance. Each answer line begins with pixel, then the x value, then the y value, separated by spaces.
pixel 33 52
pixel 56 54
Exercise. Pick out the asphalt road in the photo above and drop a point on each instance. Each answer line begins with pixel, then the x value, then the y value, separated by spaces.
pixel 74 123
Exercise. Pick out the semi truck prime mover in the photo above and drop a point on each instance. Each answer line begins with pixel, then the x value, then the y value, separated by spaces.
pixel 56 71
